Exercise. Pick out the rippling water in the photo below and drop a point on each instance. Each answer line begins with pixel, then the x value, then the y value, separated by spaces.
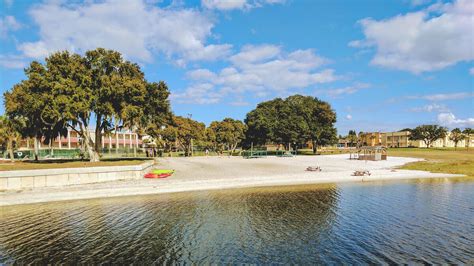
pixel 408 222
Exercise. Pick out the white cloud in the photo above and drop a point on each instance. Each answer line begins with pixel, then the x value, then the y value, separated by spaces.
pixel 135 28
pixel 200 94
pixel 260 70
pixel 431 108
pixel 12 61
pixel 8 24
pixel 251 54
pixel 428 40
pixel 449 120
pixel 444 96
pixel 334 93
pixel 419 2
pixel 226 5
pixel 8 3
pixel 239 102
pixel 349 117
pixel 471 71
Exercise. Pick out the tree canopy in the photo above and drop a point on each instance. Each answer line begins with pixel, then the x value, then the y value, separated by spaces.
pixel 75 92
pixel 10 134
pixel 428 133
pixel 227 133
pixel 456 136
pixel 183 132
pixel 294 120
pixel 352 137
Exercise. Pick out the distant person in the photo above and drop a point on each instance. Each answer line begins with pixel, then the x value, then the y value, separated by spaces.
pixel 207 152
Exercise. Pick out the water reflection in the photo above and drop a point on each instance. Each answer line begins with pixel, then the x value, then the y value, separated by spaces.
pixel 358 223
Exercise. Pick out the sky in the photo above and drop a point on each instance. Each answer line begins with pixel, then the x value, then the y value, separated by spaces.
pixel 382 65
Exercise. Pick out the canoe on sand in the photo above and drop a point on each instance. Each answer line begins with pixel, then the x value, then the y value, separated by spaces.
pixel 162 171
pixel 152 175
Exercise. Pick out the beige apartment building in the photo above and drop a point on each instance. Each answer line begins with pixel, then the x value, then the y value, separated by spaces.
pixel 115 140
pixel 402 140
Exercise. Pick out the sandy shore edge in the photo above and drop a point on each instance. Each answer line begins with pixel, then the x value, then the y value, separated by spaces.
pixel 214 173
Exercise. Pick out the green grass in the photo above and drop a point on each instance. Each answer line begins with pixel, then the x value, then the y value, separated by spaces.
pixel 55 164
pixel 439 160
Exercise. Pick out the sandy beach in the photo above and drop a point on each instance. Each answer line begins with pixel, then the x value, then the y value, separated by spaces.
pixel 208 173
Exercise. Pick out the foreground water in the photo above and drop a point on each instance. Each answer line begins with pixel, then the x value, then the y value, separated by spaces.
pixel 430 221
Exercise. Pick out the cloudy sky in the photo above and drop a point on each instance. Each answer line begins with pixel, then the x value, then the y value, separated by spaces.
pixel 383 65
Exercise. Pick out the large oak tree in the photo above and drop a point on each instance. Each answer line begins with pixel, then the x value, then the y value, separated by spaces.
pixel 99 90
pixel 297 119
pixel 428 133
pixel 227 133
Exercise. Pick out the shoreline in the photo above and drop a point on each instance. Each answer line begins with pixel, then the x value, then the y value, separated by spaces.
pixel 214 173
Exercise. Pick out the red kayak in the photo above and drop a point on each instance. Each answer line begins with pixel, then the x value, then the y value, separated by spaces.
pixel 151 175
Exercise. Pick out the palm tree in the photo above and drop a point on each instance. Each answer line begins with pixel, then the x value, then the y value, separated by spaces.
pixel 467 133
pixel 456 136
pixel 9 135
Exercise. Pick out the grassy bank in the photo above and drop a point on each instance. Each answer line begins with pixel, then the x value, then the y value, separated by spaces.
pixel 450 161
pixel 19 165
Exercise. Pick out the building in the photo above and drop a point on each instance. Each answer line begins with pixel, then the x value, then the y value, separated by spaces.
pixel 402 140
pixel 116 140
pixel 396 139
pixel 370 139
pixel 445 142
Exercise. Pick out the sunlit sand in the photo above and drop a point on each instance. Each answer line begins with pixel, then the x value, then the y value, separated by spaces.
pixel 210 173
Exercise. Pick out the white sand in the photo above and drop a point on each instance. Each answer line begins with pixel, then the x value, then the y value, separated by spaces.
pixel 207 173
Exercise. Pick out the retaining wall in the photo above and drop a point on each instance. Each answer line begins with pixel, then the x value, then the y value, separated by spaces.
pixel 14 180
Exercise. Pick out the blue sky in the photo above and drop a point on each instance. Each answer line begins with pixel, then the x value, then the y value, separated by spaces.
pixel 383 65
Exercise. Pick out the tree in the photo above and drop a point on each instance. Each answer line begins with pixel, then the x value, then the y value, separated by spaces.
pixel 456 136
pixel 157 110
pixel 352 137
pixel 228 133
pixel 428 133
pixel 75 92
pixel 187 131
pixel 468 132
pixel 31 100
pixel 295 120
pixel 360 139
pixel 9 135
pixel 115 92
pixel 262 122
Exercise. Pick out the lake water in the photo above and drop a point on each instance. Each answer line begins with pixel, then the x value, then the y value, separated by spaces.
pixel 421 221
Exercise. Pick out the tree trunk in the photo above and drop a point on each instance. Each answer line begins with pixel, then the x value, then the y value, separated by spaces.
pixel 36 149
pixel 10 150
pixel 89 145
pixel 98 133
pixel 315 147
pixel 233 149
pixel 51 151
